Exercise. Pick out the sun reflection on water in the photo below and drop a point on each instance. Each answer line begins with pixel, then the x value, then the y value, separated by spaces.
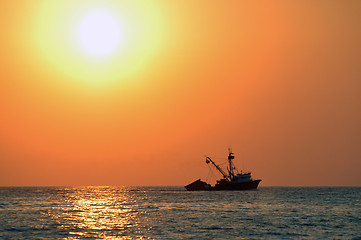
pixel 97 212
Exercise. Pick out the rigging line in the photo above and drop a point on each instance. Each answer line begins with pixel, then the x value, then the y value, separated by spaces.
pixel 223 164
pixel 218 159
pixel 210 172
pixel 208 175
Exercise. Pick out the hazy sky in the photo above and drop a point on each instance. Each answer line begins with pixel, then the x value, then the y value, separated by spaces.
pixel 278 81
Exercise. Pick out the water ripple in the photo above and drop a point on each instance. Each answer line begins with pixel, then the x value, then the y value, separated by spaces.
pixel 171 213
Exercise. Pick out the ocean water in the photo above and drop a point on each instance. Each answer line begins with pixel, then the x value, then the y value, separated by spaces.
pixel 172 213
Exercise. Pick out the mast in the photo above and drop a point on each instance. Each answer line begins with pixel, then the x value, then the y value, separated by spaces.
pixel 231 165
pixel 208 159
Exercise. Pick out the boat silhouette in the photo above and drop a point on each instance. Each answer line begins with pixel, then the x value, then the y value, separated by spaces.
pixel 232 180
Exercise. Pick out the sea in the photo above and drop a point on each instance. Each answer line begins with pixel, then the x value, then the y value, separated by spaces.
pixel 109 212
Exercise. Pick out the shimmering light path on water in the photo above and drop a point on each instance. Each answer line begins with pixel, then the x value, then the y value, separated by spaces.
pixel 172 213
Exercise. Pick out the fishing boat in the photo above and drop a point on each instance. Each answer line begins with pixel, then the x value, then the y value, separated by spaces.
pixel 232 180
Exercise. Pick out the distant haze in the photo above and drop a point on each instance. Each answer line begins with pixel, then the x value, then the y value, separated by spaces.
pixel 277 81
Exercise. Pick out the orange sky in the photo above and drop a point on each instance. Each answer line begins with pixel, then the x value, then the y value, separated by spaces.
pixel 278 81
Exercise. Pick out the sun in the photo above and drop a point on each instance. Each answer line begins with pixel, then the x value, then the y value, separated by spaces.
pixel 98 42
pixel 99 33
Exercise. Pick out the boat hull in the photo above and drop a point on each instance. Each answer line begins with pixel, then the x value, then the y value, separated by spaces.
pixel 228 186
pixel 237 186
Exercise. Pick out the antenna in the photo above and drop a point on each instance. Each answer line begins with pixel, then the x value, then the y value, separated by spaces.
pixel 230 150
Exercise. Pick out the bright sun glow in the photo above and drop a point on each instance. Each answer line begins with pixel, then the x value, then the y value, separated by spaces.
pixel 99 41
pixel 100 33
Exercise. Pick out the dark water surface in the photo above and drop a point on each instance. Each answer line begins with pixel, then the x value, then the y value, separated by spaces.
pixel 172 213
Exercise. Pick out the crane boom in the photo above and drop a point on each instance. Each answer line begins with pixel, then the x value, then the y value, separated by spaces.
pixel 208 159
